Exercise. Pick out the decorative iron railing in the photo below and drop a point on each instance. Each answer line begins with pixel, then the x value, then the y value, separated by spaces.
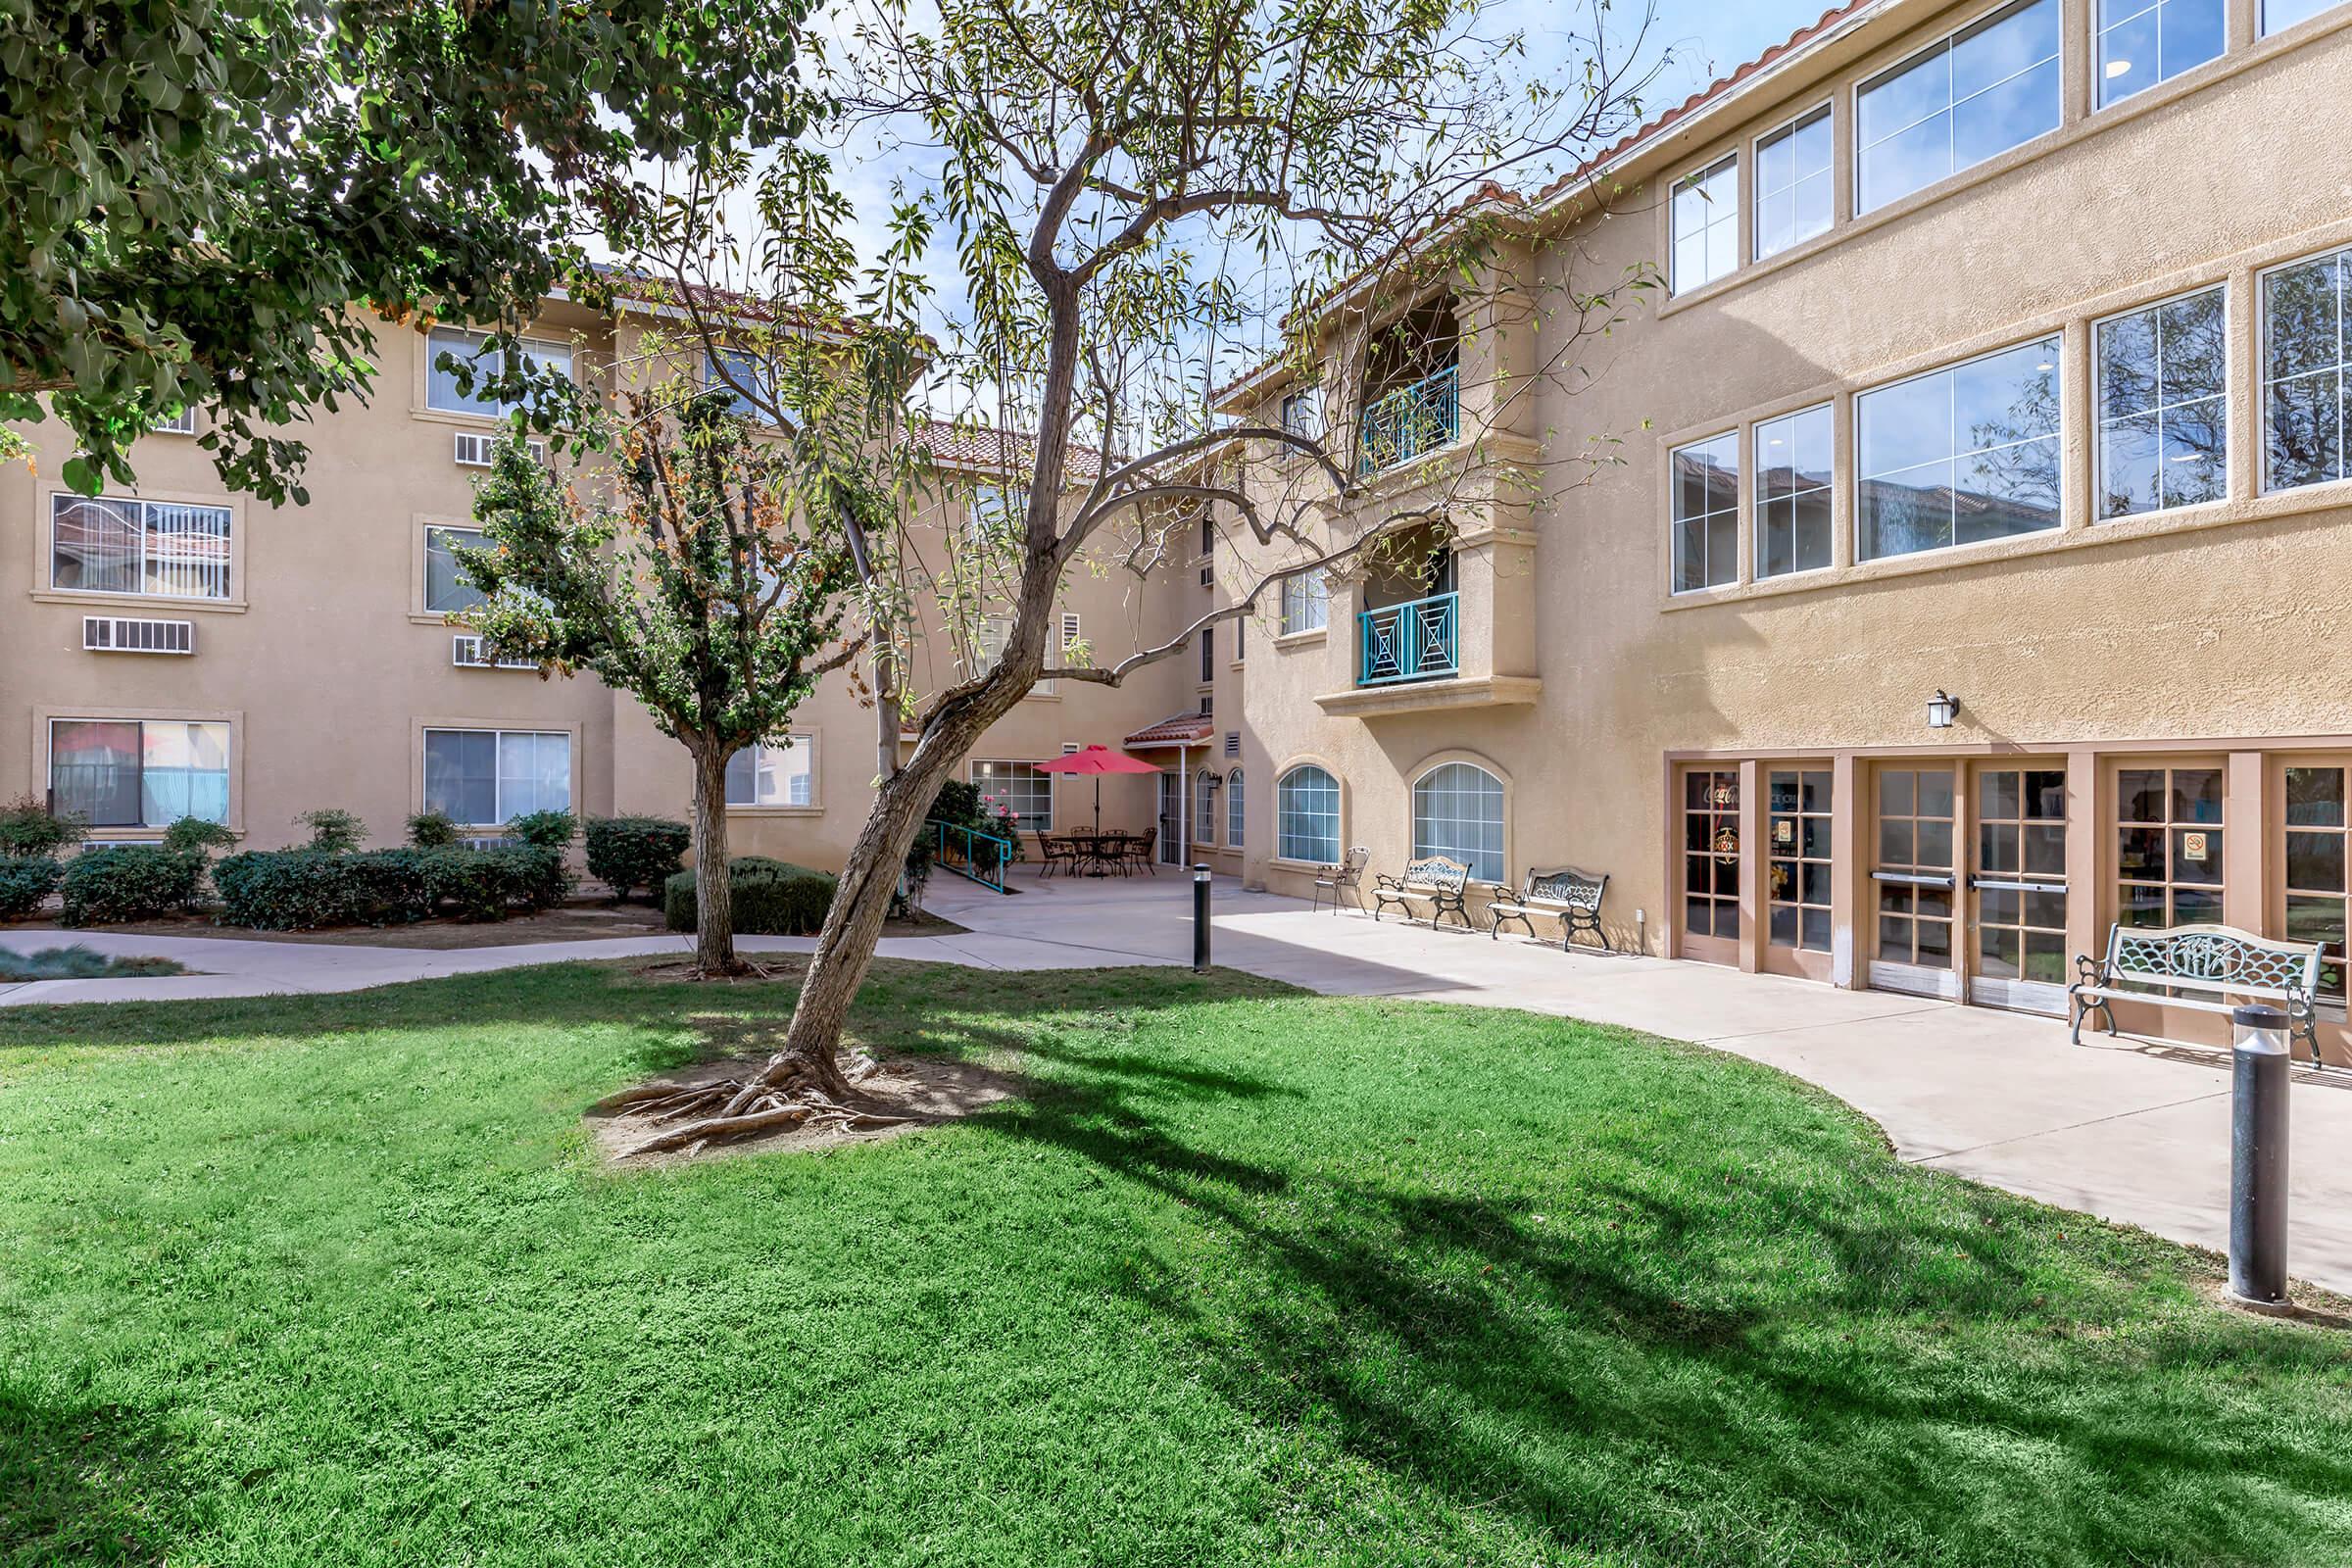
pixel 976 857
pixel 1416 640
pixel 1409 421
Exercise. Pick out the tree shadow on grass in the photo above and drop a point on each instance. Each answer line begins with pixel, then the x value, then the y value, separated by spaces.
pixel 84 1484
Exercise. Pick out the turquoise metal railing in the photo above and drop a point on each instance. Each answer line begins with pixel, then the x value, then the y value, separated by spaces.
pixel 976 857
pixel 1409 421
pixel 1412 641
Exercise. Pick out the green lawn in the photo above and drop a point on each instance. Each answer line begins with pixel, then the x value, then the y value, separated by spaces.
pixel 1253 1277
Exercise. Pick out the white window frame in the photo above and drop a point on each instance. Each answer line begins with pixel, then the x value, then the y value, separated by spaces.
pixel 799 747
pixel 1297 600
pixel 2264 27
pixel 1789 128
pixel 760 372
pixel 571 763
pixel 1206 785
pixel 1233 808
pixel 229 764
pixel 2342 254
pixel 1757 433
pixel 2098 402
pixel 1338 816
pixel 182 423
pixel 1029 822
pixel 224 575
pixel 1853 433
pixel 1301 412
pixel 1674 524
pixel 1692 185
pixel 2099 76
pixel 1952 107
pixel 545 350
pixel 1424 846
pixel 481 541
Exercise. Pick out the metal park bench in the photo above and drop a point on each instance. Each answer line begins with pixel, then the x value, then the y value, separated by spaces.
pixel 1569 896
pixel 2219 960
pixel 1434 884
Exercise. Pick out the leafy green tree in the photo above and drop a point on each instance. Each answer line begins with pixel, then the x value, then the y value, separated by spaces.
pixel 203 200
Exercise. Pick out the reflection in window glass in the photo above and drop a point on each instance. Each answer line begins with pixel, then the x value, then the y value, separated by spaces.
pixel 1019 786
pixel 741 374
pixel 1233 809
pixel 2315 867
pixel 1915 842
pixel 1205 806
pixel 1305 602
pixel 1958 102
pixel 2021 839
pixel 1711 853
pixel 485 778
pixel 2141 42
pixel 121 545
pixel 2167 846
pixel 774 773
pixel 1307 816
pixel 1457 812
pixel 2278 14
pixel 2164 421
pixel 1706 513
pixel 447 588
pixel 1707 225
pixel 1792 183
pixel 1960 455
pixel 139 773
pixel 2303 356
pixel 1798 893
pixel 1792 492
pixel 441 384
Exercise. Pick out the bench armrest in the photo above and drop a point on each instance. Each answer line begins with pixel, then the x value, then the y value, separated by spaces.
pixel 1392 883
pixel 2089 972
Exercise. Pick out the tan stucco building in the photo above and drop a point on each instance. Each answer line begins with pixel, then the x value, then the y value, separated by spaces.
pixel 1997 354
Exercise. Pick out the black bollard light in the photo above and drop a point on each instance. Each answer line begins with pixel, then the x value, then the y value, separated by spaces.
pixel 2258 1159
pixel 1199 919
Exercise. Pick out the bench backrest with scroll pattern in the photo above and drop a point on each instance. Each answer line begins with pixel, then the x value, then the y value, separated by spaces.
pixel 2213 958
pixel 1577 889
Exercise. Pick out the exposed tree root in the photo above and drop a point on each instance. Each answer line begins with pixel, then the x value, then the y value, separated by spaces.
pixel 736 1108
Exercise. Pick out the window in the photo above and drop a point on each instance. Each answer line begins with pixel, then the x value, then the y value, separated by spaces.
pixel 1021 789
pixel 1960 455
pixel 446 586
pixel 1711 853
pixel 992 512
pixel 138 772
pixel 1305 602
pixel 1798 839
pixel 2163 416
pixel 1233 809
pixel 117 545
pixel 441 386
pixel 1204 813
pixel 1792 492
pixel 1958 102
pixel 773 774
pixel 1208 704
pixel 1706 513
pixel 1792 183
pixel 1307 816
pixel 2282 14
pixel 487 777
pixel 1302 413
pixel 2315 869
pixel 1457 812
pixel 2303 358
pixel 730 370
pixel 2021 874
pixel 1208 655
pixel 1914 871
pixel 2168 844
pixel 2143 43
pixel 1707 225
pixel 181 422
pixel 1208 540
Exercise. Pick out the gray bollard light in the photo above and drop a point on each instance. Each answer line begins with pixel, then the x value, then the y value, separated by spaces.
pixel 1200 918
pixel 2258 1159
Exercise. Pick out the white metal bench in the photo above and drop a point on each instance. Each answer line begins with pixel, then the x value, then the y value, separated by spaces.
pixel 1569 896
pixel 1434 884
pixel 2219 960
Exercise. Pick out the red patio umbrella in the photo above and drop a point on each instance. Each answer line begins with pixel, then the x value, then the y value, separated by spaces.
pixel 1096 761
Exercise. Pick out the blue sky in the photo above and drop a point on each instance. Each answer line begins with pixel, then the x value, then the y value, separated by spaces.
pixel 1711 39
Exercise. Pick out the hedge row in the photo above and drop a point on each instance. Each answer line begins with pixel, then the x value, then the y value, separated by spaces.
pixel 635 851
pixel 133 882
pixel 296 890
pixel 771 898
pixel 25 881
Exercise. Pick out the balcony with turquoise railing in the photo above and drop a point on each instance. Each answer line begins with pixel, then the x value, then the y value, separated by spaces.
pixel 1410 422
pixel 1419 639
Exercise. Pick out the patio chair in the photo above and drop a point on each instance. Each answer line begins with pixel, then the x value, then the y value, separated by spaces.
pixel 1057 852
pixel 1346 877
pixel 1136 849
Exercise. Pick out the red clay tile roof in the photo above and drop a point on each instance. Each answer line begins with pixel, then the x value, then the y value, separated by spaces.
pixel 993 451
pixel 1177 730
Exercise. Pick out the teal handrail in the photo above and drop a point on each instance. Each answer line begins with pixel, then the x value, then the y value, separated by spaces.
pixel 1416 640
pixel 975 857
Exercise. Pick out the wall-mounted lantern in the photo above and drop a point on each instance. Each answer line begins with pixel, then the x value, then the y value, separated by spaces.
pixel 1942 708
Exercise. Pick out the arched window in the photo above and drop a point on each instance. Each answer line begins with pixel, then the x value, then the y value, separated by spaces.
pixel 1457 812
pixel 1307 816
pixel 1205 812
pixel 1233 809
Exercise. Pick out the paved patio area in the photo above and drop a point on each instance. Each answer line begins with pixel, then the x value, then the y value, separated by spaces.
pixel 2129 1130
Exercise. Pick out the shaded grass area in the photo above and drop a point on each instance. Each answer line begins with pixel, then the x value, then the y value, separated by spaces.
pixel 78 963
pixel 1250 1277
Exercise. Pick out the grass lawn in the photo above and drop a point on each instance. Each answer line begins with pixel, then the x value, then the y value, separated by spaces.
pixel 1251 1276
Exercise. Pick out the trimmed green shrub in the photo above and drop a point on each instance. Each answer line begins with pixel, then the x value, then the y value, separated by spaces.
pixel 432 831
pixel 25 881
pixel 544 830
pixel 333 832
pixel 301 890
pixel 771 898
pixel 27 827
pixel 636 852
pixel 485 883
pixel 198 834
pixel 136 882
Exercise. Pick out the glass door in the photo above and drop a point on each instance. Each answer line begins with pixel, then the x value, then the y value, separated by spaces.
pixel 2018 886
pixel 1798 871
pixel 1913 880
pixel 1171 818
pixel 1710 893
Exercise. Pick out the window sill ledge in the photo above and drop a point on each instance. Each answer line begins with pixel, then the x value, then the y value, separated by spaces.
pixel 1302 639
pixel 152 604
pixel 755 813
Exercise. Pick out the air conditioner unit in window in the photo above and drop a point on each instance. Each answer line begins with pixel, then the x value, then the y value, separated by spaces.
pixel 123 634
pixel 473 449
pixel 471 653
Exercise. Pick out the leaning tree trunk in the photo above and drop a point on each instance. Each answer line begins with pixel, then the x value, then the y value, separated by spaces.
pixel 714 894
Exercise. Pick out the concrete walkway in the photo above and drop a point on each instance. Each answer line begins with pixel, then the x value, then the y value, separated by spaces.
pixel 2129 1129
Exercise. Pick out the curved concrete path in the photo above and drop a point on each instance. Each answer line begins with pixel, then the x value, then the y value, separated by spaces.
pixel 2128 1130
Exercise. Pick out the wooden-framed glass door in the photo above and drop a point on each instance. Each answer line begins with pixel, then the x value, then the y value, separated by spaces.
pixel 1708 928
pixel 1799 867
pixel 2315 898
pixel 1914 878
pixel 2016 887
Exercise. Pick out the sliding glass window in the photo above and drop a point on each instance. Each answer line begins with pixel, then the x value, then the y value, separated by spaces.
pixel 1960 455
pixel 2164 416
pixel 1959 101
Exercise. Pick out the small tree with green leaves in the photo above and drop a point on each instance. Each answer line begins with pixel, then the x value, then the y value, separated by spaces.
pixel 697 583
